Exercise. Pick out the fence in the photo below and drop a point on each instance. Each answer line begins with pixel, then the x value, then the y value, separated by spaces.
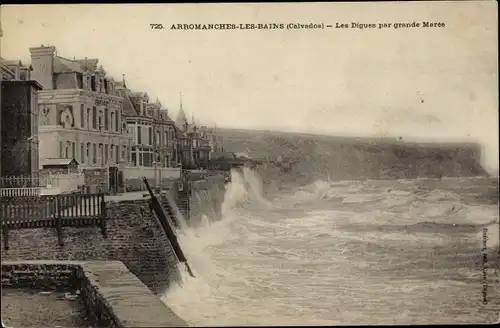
pixel 54 183
pixel 52 211
pixel 19 182
pixel 19 192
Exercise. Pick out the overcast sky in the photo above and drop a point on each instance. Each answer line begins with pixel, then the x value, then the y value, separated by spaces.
pixel 420 82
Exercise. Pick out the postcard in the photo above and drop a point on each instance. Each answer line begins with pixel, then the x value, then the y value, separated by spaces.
pixel 249 164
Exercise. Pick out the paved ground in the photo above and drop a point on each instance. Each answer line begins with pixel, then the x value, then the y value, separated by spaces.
pixel 28 308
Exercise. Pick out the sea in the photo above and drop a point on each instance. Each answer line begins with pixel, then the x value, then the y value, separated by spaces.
pixel 416 251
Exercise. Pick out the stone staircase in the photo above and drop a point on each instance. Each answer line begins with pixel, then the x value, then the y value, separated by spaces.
pixel 170 212
pixel 183 203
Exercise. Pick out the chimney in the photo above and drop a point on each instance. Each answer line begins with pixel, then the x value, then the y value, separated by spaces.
pixel 42 60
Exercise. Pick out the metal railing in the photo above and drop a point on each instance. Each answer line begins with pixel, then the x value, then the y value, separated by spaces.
pixel 19 182
pixel 71 206
pixel 20 192
pixel 54 180
pixel 74 210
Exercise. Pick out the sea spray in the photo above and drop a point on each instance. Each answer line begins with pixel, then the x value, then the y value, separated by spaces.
pixel 236 192
pixel 195 238
pixel 255 187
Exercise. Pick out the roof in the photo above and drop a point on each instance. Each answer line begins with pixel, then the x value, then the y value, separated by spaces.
pixel 139 95
pixel 181 119
pixel 58 161
pixel 33 83
pixel 6 72
pixel 65 81
pixel 128 106
pixel 12 62
pixel 179 131
pixel 65 65
pixel 154 105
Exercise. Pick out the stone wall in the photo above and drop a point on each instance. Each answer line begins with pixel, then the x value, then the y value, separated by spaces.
pixel 135 237
pixel 111 295
pixel 136 184
pixel 206 198
pixel 97 179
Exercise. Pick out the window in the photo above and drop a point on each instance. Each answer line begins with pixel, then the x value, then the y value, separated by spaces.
pixel 134 158
pixel 140 158
pixel 79 80
pixel 94 118
pixel 117 121
pixel 113 122
pixel 61 149
pixel 73 149
pixel 82 153
pixel 150 135
pixel 92 83
pixel 139 135
pixel 101 154
pixel 117 154
pixel 66 151
pixel 157 138
pixel 106 153
pixel 106 87
pixel 148 159
pixel 82 116
pixel 106 119
pixel 166 138
pixel 89 119
pixel 94 151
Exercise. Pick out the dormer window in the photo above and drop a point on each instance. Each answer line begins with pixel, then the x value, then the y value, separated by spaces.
pixel 143 107
pixel 79 80
pixel 106 87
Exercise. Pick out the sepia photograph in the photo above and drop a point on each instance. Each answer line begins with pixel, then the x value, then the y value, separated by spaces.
pixel 249 164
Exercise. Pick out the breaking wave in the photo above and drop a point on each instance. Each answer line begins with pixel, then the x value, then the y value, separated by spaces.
pixel 313 252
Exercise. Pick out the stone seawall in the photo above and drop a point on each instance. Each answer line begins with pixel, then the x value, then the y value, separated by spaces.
pixel 135 237
pixel 207 197
pixel 136 184
pixel 111 295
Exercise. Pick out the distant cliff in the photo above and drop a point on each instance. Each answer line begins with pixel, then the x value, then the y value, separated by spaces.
pixel 319 157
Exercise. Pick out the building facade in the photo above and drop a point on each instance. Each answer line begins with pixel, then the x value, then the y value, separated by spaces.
pixel 164 142
pixel 19 154
pixel 195 142
pixel 81 111
pixel 153 135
